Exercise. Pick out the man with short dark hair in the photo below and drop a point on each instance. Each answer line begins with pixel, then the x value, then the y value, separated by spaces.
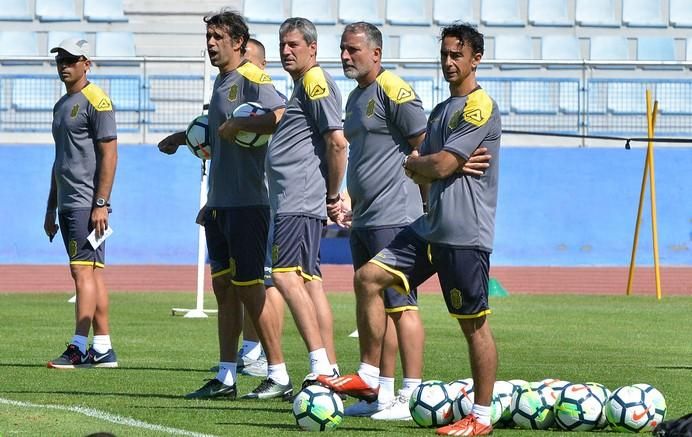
pixel 86 155
pixel 453 240
pixel 236 216
pixel 305 166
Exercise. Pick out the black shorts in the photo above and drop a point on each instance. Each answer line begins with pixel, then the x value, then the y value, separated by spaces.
pixel 296 245
pixel 75 227
pixel 463 273
pixel 365 243
pixel 237 242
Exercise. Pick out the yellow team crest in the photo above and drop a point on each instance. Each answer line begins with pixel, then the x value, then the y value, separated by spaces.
pixel 233 93
pixel 75 111
pixel 370 109
pixel 232 268
pixel 73 248
pixel 455 298
pixel 455 119
pixel 275 253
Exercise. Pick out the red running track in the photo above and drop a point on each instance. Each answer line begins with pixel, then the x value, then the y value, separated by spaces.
pixel 338 278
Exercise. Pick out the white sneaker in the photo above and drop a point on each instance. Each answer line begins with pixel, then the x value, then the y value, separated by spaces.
pixel 397 410
pixel 361 409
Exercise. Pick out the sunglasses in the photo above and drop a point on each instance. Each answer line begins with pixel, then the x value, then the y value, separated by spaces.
pixel 68 60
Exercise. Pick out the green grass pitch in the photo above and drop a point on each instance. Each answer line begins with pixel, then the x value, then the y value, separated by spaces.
pixel 612 340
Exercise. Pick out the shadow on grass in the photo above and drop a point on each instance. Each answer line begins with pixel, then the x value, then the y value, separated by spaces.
pixel 673 367
pixel 119 369
pixel 99 394
pixel 229 406
pixel 293 427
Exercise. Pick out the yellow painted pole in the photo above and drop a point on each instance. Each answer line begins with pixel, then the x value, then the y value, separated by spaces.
pixel 651 122
pixel 652 187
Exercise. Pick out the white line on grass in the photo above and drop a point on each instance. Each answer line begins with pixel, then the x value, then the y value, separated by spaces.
pixel 108 417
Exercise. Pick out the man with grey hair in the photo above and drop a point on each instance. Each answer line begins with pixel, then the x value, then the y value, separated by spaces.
pixel 305 165
pixel 385 122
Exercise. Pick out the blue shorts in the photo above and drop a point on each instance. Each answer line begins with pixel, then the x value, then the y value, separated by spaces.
pixel 365 243
pixel 237 241
pixel 75 227
pixel 296 245
pixel 463 272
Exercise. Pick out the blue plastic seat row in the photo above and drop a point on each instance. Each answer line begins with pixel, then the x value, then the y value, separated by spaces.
pixel 62 10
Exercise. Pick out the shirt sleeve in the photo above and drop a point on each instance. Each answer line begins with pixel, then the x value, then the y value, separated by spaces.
pixel 408 117
pixel 467 135
pixel 102 124
pixel 269 98
pixel 326 111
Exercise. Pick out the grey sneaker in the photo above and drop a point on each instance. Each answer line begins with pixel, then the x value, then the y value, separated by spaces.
pixel 250 367
pixel 214 389
pixel 72 358
pixel 268 389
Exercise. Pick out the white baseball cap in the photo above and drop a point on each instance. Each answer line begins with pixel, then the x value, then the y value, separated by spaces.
pixel 73 46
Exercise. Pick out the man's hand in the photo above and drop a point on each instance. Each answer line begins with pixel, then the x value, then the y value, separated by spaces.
pixel 170 144
pixel 99 220
pixel 49 225
pixel 478 162
pixel 228 130
pixel 200 216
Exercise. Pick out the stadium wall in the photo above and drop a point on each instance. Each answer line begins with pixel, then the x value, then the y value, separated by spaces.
pixel 557 207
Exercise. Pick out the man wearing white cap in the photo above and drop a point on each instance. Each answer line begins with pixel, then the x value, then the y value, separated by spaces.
pixel 80 187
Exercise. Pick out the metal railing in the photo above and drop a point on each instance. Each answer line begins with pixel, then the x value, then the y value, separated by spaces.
pixel 153 95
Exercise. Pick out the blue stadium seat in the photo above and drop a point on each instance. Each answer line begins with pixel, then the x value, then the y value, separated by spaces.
pixel 15 10
pixel 56 37
pixel 264 11
pixel 126 92
pixel 115 44
pixel 18 44
pixel 569 97
pixel 464 10
pixel 681 14
pixel 35 93
pixel 655 49
pixel 601 13
pixel 534 97
pixel 271 44
pixel 501 13
pixel 626 98
pixel 513 47
pixel 319 11
pixel 549 13
pixel 498 89
pixel 359 10
pixel 104 11
pixel 560 47
pixel 609 48
pixel 643 13
pixel 56 10
pixel 407 12
pixel 597 96
pixel 419 46
pixel 674 97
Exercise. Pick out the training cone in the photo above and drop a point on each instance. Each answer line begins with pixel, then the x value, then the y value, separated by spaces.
pixel 496 289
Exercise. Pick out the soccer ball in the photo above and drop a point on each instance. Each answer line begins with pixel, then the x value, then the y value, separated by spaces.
pixel 602 393
pixel 250 139
pixel 629 409
pixel 430 404
pixel 532 409
pixel 577 408
pixel 503 391
pixel 197 137
pixel 660 407
pixel 463 395
pixel 317 408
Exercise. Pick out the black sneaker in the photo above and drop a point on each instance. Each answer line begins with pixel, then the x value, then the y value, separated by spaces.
pixel 72 358
pixel 269 389
pixel 214 389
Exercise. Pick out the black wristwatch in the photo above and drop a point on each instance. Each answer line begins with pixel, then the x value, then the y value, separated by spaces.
pixel 333 200
pixel 101 202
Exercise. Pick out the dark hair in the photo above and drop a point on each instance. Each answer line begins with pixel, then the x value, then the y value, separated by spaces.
pixel 234 24
pixel 302 25
pixel 372 33
pixel 259 44
pixel 466 33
